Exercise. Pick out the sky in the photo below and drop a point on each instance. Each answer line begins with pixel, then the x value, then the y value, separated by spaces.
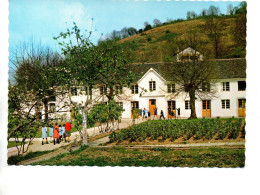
pixel 41 20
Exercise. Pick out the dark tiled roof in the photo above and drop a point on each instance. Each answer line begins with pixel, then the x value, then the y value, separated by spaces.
pixel 228 68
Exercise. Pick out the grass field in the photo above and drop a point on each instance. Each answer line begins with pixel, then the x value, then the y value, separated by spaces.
pixel 13 160
pixel 12 144
pixel 155 157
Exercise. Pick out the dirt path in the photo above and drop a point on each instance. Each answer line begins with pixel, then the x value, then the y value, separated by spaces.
pixel 191 145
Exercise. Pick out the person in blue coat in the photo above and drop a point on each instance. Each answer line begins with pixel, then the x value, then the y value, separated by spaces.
pixel 63 131
pixel 44 133
pixel 51 132
pixel 60 132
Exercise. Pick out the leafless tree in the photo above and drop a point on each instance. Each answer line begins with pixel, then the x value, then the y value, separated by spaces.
pixel 193 76
pixel 215 28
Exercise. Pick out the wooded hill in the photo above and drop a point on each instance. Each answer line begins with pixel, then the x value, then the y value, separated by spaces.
pixel 159 44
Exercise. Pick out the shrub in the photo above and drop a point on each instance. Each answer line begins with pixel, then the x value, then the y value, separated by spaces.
pixel 174 129
pixel 149 39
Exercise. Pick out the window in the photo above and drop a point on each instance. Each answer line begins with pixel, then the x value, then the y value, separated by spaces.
pixel 74 91
pixel 205 87
pixel 120 104
pixel 241 103
pixel 52 107
pixel 119 89
pixel 171 105
pixel 225 104
pixel 187 104
pixel 103 90
pixel 134 89
pixel 134 105
pixel 241 85
pixel 152 85
pixel 225 86
pixel 171 88
pixel 52 98
pixel 206 104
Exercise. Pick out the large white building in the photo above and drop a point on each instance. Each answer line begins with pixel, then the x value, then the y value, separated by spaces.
pixel 155 89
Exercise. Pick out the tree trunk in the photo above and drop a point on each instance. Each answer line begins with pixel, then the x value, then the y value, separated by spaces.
pixel 192 103
pixel 216 48
pixel 46 115
pixel 110 96
pixel 84 126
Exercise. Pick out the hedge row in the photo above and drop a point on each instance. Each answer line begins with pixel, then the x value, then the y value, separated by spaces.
pixel 174 129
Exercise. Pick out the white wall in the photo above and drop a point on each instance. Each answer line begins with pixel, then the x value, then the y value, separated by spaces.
pixel 161 96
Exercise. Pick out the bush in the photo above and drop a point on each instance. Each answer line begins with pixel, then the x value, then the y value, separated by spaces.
pixel 174 129
pixel 149 39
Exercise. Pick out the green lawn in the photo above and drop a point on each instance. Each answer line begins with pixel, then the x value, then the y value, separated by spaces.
pixel 13 160
pixel 119 156
pixel 12 144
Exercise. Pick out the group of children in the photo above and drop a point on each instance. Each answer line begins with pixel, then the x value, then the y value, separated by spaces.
pixel 56 133
pixel 145 113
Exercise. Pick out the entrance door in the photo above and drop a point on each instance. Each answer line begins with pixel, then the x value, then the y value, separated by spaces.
pixel 134 105
pixel 152 106
pixel 171 108
pixel 206 111
pixel 242 107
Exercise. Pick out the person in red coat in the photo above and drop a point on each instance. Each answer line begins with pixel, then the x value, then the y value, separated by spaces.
pixel 68 128
pixel 56 133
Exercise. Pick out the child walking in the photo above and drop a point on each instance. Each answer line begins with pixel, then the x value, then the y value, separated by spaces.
pixel 56 133
pixel 44 134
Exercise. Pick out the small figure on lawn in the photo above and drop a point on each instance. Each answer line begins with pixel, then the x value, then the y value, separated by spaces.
pixel 50 132
pixel 172 114
pixel 56 133
pixel 60 133
pixel 44 133
pixel 179 112
pixel 145 113
pixel 155 112
pixel 68 128
pixel 162 115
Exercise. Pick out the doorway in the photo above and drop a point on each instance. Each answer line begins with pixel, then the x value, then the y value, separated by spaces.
pixel 152 106
pixel 171 109
pixel 206 110
pixel 242 107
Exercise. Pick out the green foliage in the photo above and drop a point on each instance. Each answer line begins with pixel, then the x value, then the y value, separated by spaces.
pixel 105 113
pixel 174 129
pixel 78 120
pixel 14 160
pixel 149 38
pixel 156 156
pixel 167 36
pixel 136 113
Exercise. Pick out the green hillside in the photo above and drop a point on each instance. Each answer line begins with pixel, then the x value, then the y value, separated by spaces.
pixel 159 43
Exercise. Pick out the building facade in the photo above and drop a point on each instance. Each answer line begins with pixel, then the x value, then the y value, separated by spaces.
pixel 154 88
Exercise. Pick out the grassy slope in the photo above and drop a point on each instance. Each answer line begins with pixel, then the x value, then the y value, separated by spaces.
pixel 196 157
pixel 162 43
